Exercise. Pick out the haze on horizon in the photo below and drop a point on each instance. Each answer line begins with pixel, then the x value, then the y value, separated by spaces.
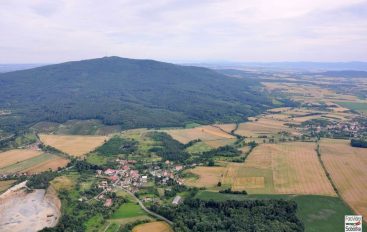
pixel 40 31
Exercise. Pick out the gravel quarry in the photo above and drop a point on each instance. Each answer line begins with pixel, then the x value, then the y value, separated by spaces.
pixel 27 212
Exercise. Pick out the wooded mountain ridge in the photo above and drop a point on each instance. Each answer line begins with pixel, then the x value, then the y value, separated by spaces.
pixel 129 92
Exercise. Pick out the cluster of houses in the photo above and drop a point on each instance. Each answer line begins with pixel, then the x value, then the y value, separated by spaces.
pixel 125 176
pixel 350 128
pixel 169 172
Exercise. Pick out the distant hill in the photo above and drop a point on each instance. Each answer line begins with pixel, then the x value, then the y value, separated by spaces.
pixel 344 73
pixel 288 66
pixel 128 92
pixel 14 67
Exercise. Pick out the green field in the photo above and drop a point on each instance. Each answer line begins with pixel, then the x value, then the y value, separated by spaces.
pixel 25 139
pixel 318 213
pixel 93 224
pixel 97 159
pixel 321 213
pixel 199 147
pixel 128 210
pixel 358 106
pixel 113 227
pixel 5 184
pixel 192 125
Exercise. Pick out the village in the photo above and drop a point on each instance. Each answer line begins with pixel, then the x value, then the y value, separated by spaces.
pixel 131 180
pixel 357 127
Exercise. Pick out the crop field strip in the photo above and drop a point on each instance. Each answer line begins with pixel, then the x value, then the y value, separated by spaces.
pixel 347 168
pixel 54 163
pixel 75 145
pixel 36 164
pixel 17 155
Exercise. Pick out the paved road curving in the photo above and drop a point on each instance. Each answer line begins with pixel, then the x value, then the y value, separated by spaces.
pixel 147 210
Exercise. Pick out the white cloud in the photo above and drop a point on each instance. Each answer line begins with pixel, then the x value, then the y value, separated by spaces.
pixel 251 30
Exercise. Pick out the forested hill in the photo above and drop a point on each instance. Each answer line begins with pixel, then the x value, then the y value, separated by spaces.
pixel 133 93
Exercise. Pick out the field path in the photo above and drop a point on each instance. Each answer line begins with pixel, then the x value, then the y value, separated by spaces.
pixel 147 210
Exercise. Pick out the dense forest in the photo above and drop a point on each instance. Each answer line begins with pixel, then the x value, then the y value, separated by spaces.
pixel 127 92
pixel 234 216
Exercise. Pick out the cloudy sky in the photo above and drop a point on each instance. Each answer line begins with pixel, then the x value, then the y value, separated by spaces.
pixel 45 31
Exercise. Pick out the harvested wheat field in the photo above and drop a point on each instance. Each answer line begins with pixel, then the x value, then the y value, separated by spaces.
pixel 287 168
pixel 153 227
pixel 347 167
pixel 296 169
pixel 17 155
pixel 206 176
pixel 263 126
pixel 205 133
pixel 75 145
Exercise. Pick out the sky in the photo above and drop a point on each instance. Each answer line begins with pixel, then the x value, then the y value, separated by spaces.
pixel 45 31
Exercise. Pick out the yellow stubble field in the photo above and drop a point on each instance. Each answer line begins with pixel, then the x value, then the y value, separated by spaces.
pixel 263 126
pixel 153 227
pixel 347 167
pixel 287 168
pixel 75 145
pixel 210 135
pixel 207 176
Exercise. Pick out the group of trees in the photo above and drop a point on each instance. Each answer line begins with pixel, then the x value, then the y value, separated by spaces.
pixel 358 143
pixel 251 215
pixel 230 191
pixel 42 180
pixel 225 151
pixel 168 149
pixel 117 145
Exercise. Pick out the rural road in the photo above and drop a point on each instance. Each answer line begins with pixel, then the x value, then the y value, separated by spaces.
pixel 147 210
